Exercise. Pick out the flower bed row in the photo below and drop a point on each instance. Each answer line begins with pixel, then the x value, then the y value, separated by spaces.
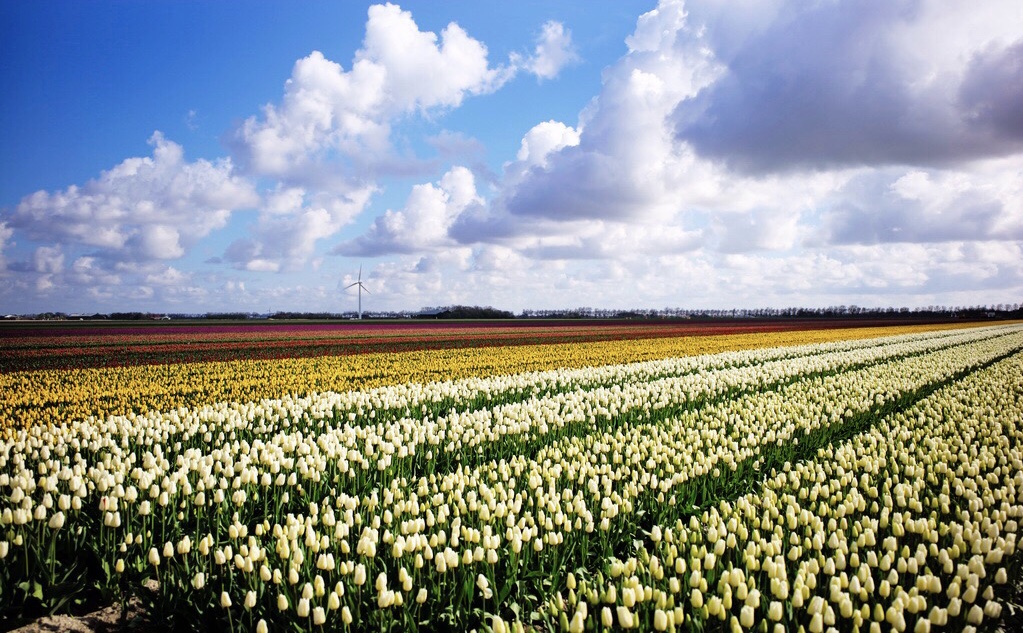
pixel 29 346
pixel 291 518
pixel 57 396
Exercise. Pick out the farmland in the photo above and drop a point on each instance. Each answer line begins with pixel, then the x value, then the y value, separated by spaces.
pixel 52 374
pixel 869 479
pixel 41 345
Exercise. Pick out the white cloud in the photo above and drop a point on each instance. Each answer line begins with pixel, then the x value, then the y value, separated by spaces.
pixel 144 209
pixel 328 111
pixel 554 51
pixel 330 116
pixel 765 153
pixel 169 276
pixel 818 85
pixel 657 29
pixel 543 139
pixel 48 260
pixel 424 222
pixel 421 70
pixel 88 272
pixel 623 191
pixel 324 108
pixel 621 162
pixel 622 166
pixel 982 201
pixel 291 224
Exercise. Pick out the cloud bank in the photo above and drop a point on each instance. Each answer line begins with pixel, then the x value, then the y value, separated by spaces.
pixel 773 153
pixel 142 210
pixel 820 85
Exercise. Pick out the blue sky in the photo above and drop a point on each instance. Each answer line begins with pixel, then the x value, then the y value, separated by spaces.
pixel 192 156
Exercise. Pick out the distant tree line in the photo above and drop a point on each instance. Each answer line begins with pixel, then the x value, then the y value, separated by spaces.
pixel 1001 310
pixel 464 312
pixel 996 311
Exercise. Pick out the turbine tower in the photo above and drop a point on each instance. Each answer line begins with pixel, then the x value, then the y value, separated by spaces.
pixel 361 288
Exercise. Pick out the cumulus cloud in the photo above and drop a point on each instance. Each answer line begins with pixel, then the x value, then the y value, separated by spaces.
pixel 597 240
pixel 622 165
pixel 89 272
pixel 424 221
pixel 621 162
pixel 554 50
pixel 289 226
pixel 784 153
pixel 927 205
pixel 818 85
pixel 169 276
pixel 49 260
pixel 328 112
pixel 625 167
pixel 543 139
pixel 422 71
pixel 144 209
pixel 665 192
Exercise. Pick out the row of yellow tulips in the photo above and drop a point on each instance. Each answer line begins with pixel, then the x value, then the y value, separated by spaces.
pixel 59 396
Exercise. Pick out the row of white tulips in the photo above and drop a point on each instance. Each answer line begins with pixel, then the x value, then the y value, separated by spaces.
pixel 363 413
pixel 912 525
pixel 280 428
pixel 280 520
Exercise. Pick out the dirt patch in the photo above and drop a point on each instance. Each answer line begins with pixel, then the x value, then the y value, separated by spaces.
pixel 110 619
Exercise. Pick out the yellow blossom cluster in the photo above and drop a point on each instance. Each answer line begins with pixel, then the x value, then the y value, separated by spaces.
pixel 60 396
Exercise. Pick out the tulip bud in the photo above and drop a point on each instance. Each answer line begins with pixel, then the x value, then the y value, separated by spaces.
pixel 660 620
pixel 975 616
pixel 57 521
pixel 319 617
pixel 625 618
pixel 746 616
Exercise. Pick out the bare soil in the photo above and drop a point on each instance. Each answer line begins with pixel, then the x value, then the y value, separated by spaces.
pixel 109 619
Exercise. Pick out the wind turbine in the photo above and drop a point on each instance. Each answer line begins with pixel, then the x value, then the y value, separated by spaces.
pixel 361 288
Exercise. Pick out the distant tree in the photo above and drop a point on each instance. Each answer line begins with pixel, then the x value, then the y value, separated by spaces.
pixel 129 316
pixel 473 312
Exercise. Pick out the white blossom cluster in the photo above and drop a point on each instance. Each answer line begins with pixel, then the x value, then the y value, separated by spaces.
pixel 318 511
pixel 909 526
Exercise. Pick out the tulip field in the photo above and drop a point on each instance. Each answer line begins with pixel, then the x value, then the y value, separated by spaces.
pixel 856 484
